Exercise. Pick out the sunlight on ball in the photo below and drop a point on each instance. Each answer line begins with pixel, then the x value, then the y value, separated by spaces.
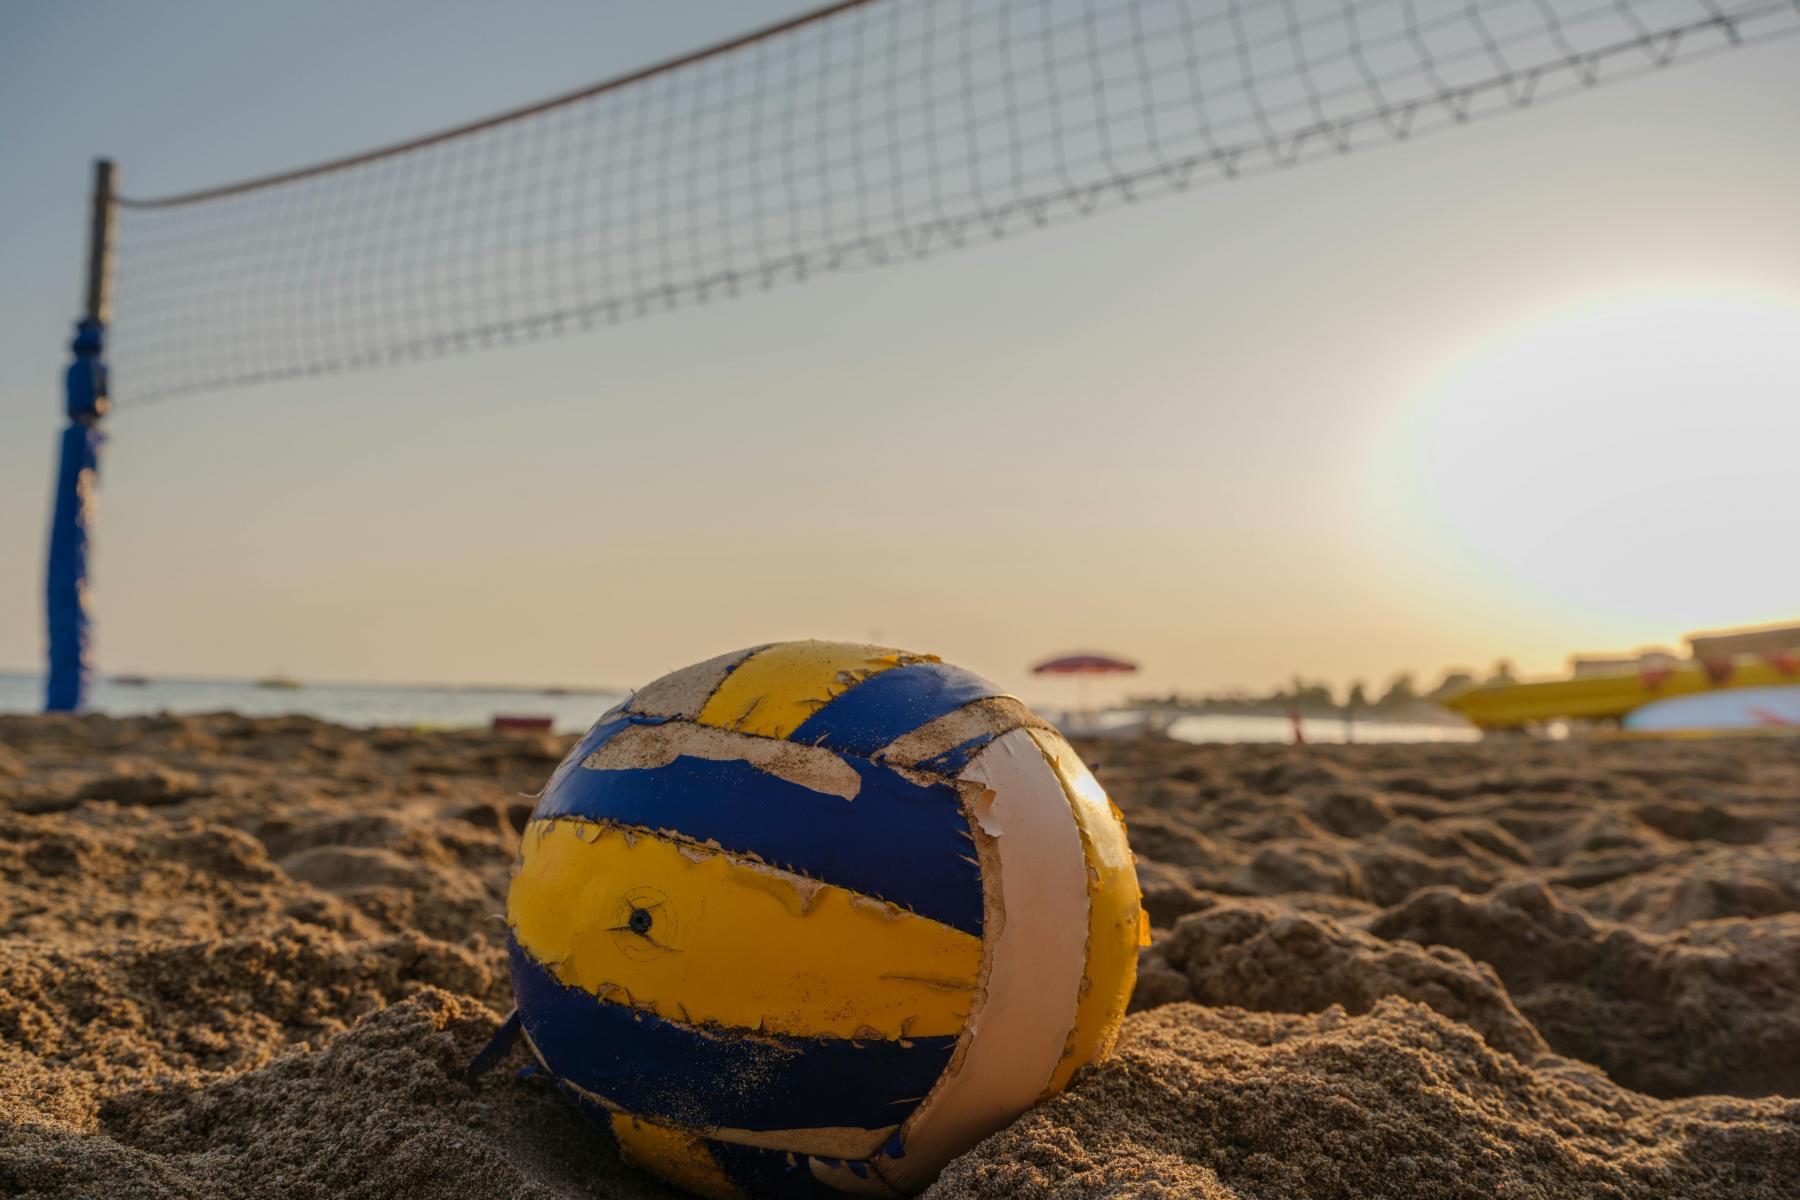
pixel 818 917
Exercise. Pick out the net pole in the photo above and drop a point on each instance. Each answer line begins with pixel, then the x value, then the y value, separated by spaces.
pixel 78 465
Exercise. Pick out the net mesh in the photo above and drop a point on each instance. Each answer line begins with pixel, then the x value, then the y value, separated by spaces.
pixel 865 134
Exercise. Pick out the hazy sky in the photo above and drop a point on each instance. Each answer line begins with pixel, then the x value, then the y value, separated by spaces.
pixel 1521 389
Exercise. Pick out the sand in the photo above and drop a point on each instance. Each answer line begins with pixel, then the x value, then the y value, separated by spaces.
pixel 251 957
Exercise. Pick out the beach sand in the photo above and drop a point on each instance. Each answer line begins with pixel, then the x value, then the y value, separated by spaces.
pixel 251 957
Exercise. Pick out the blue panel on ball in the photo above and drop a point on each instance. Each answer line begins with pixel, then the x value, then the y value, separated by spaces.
pixel 759 1172
pixel 890 705
pixel 664 1069
pixel 952 761
pixel 899 841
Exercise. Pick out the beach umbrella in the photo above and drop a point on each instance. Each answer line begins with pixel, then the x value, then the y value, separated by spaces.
pixel 1085 664
pixel 1082 666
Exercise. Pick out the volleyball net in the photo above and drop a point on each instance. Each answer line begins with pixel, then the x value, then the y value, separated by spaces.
pixel 862 133
pixel 865 133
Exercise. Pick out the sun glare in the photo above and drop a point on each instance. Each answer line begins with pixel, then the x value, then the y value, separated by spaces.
pixel 1631 457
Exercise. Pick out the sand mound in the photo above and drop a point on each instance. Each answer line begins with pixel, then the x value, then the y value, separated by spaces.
pixel 1713 1008
pixel 1399 1103
pixel 250 958
pixel 380 1111
pixel 1260 956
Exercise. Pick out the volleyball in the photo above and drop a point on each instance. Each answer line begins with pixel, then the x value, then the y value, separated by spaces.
pixel 816 917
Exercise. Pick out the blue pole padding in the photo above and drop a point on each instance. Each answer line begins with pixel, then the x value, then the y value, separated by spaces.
pixel 73 510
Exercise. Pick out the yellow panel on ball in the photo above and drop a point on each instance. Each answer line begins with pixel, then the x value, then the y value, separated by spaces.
pixel 817 917
pixel 720 944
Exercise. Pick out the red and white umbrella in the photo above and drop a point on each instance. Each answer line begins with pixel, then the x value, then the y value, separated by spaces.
pixel 1081 666
pixel 1085 664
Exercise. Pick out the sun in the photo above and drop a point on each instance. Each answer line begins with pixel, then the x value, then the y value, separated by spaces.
pixel 1633 457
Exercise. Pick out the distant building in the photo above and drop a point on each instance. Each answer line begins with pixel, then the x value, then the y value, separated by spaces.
pixel 1726 644
pixel 1600 666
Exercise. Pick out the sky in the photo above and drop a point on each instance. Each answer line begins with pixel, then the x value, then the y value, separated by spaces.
pixel 1525 389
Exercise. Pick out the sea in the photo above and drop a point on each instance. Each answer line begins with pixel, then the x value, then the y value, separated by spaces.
pixel 358 704
pixel 425 706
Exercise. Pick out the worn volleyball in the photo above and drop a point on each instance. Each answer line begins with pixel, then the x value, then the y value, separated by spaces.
pixel 816 917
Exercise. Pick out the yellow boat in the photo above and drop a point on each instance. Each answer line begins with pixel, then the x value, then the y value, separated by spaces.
pixel 1509 705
